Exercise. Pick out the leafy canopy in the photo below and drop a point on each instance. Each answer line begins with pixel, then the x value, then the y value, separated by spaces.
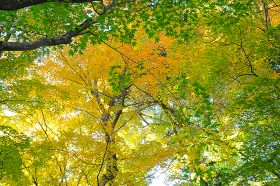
pixel 105 92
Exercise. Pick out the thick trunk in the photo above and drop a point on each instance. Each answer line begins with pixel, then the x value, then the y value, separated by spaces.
pixel 111 169
pixel 109 159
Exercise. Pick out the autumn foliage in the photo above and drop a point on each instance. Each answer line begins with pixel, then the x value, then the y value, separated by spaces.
pixel 133 89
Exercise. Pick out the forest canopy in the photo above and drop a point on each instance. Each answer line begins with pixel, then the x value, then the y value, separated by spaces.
pixel 114 92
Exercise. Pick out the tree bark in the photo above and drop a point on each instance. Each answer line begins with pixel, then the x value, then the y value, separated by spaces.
pixel 18 4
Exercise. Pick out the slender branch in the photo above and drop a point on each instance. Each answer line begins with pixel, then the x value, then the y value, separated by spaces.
pixel 87 112
pixel 72 68
pixel 63 172
pixel 76 156
pixel 18 100
pixel 237 77
pixel 145 121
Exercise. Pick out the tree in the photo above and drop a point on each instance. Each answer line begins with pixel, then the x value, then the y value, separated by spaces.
pixel 108 113
pixel 100 106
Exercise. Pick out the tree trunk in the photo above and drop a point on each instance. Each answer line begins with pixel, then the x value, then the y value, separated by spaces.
pixel 266 13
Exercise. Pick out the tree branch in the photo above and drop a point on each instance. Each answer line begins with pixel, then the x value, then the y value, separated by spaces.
pixel 65 38
pixel 19 4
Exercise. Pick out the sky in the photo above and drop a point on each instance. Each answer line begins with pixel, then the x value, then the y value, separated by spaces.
pixel 159 179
